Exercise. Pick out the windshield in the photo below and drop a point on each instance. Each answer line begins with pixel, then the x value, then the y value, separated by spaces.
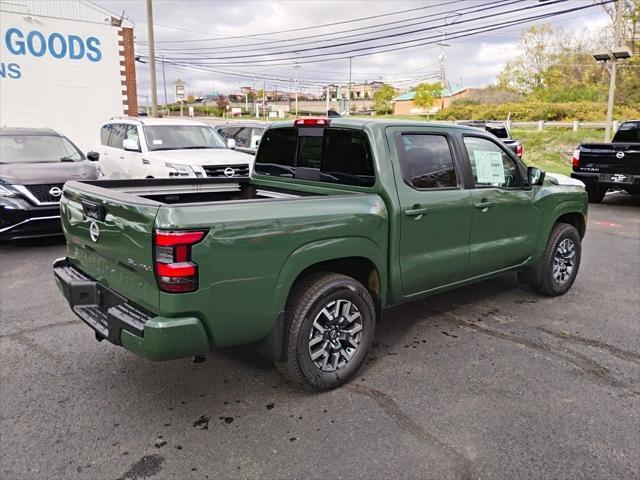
pixel 37 149
pixel 181 137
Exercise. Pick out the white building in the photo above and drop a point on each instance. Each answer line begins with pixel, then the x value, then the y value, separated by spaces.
pixel 65 64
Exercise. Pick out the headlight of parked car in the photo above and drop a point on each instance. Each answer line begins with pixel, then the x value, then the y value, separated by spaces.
pixel 179 170
pixel 6 192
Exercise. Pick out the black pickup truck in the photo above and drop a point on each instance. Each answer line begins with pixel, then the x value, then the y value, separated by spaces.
pixel 610 166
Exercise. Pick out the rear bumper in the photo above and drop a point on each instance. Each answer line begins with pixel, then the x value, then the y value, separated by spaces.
pixel 123 323
pixel 622 182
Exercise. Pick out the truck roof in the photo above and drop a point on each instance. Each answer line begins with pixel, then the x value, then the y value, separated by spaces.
pixel 362 123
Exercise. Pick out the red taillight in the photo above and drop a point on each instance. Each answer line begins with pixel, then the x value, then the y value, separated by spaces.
pixel 175 272
pixel 519 150
pixel 575 160
pixel 312 121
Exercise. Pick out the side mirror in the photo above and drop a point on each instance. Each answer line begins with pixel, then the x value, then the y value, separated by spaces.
pixel 231 143
pixel 535 175
pixel 93 156
pixel 130 145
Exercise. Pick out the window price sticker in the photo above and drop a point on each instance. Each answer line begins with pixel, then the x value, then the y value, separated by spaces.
pixel 489 168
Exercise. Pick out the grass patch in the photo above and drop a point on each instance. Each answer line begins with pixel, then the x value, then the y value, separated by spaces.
pixel 552 148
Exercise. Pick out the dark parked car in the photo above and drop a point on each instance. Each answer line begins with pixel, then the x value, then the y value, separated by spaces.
pixel 498 129
pixel 610 166
pixel 246 135
pixel 34 165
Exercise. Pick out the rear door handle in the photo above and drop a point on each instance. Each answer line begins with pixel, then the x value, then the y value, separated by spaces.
pixel 483 205
pixel 416 211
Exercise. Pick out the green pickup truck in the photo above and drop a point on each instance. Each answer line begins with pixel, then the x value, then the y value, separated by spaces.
pixel 340 219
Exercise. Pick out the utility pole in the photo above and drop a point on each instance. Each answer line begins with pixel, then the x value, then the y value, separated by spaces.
pixel 295 68
pixel 442 58
pixel 614 69
pixel 328 95
pixel 349 89
pixel 164 83
pixel 264 96
pixel 152 60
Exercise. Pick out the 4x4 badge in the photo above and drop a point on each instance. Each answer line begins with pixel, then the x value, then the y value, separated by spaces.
pixel 94 231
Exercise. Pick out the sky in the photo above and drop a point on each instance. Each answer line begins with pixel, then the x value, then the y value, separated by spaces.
pixel 208 40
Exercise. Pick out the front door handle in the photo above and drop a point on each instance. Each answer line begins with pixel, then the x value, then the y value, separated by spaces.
pixel 417 211
pixel 483 204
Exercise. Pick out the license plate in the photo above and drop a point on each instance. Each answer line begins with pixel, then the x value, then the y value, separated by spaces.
pixel 619 178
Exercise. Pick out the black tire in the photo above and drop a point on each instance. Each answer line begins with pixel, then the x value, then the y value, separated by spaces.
pixel 543 278
pixel 309 297
pixel 595 193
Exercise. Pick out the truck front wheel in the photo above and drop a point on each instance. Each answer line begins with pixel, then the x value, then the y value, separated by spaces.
pixel 330 326
pixel 595 193
pixel 558 267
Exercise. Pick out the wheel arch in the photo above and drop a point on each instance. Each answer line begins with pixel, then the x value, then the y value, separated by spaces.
pixel 356 257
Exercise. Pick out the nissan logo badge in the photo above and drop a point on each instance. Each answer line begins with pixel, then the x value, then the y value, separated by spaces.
pixel 55 192
pixel 620 155
pixel 94 231
pixel 229 172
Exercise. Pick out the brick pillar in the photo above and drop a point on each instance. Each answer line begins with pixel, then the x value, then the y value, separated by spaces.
pixel 128 72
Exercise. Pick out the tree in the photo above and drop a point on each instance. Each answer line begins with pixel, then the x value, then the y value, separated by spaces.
pixel 426 93
pixel 222 102
pixel 382 99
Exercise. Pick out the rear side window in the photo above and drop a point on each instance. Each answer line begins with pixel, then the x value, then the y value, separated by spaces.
pixel 105 131
pixel 332 155
pixel 118 134
pixel 628 132
pixel 428 161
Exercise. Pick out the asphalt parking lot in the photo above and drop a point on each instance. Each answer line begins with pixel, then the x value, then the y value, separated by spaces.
pixel 490 381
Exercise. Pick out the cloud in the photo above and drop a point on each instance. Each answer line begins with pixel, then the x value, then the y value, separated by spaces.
pixel 477 60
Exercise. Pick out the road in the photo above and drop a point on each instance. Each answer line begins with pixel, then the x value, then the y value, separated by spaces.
pixel 490 381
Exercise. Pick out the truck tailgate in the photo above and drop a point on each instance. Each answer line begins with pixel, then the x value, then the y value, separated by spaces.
pixel 610 158
pixel 110 238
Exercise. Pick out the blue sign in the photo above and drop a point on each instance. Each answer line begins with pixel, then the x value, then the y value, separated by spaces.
pixel 55 45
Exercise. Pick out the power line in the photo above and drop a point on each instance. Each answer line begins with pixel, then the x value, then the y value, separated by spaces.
pixel 445 15
pixel 453 35
pixel 342 22
pixel 383 37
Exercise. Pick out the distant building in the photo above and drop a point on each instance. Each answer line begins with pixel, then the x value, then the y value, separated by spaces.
pixel 359 91
pixel 403 104
pixel 65 64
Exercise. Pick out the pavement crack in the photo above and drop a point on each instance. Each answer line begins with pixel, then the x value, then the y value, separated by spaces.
pixel 389 406
pixel 39 329
pixel 35 347
pixel 613 350
pixel 590 367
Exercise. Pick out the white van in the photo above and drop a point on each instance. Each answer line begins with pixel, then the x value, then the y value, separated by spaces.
pixel 160 148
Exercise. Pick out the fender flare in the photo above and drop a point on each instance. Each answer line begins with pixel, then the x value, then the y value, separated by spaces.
pixel 570 206
pixel 321 251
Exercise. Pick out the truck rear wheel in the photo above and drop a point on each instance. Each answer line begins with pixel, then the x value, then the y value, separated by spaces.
pixel 595 193
pixel 558 267
pixel 330 326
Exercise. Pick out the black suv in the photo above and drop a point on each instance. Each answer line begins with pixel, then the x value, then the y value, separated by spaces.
pixel 34 165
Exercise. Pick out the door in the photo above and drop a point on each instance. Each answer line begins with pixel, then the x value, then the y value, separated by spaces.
pixel 435 220
pixel 505 219
pixel 133 165
pixel 110 157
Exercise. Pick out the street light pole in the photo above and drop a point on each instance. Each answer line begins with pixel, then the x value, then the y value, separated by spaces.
pixel 152 60
pixel 614 70
pixel 349 89
pixel 164 83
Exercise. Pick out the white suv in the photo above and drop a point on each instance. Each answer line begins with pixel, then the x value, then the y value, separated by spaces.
pixel 161 148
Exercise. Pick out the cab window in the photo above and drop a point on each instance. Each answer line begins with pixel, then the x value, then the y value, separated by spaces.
pixel 428 162
pixel 491 165
pixel 118 134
